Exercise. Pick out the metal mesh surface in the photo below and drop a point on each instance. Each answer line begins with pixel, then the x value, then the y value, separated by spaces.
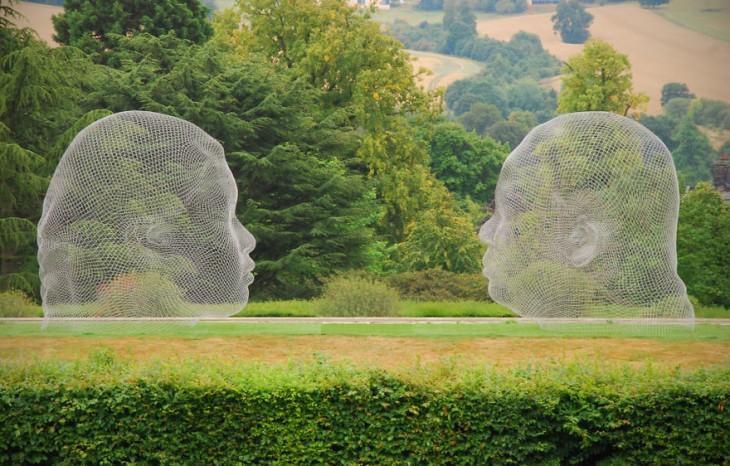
pixel 585 225
pixel 138 224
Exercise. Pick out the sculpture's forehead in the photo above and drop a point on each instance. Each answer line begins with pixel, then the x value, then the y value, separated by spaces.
pixel 145 133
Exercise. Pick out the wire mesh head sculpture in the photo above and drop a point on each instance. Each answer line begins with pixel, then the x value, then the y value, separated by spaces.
pixel 585 224
pixel 139 223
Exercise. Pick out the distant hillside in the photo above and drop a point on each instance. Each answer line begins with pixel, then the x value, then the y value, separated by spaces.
pixel 660 51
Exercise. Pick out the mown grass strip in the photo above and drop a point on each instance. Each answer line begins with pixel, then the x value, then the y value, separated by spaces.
pixel 508 329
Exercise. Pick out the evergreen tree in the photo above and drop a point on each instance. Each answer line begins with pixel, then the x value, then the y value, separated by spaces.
pixel 310 212
pixel 343 52
pixel 703 245
pixel 95 26
pixel 39 87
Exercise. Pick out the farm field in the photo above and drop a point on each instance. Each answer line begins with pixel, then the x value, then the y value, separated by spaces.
pixel 386 346
pixel 38 17
pixel 446 69
pixel 711 17
pixel 660 51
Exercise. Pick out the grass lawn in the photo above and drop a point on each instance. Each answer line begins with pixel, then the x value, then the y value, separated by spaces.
pixel 387 346
pixel 711 17
pixel 298 308
pixel 508 329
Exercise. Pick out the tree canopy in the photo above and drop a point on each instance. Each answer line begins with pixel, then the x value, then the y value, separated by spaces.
pixel 39 88
pixel 599 79
pixel 652 3
pixel 675 91
pixel 95 26
pixel 703 242
pixel 571 21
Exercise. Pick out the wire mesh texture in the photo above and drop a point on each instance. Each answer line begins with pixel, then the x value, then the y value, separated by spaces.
pixel 584 226
pixel 139 224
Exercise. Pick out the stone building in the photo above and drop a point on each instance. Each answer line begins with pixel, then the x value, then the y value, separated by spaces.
pixel 721 176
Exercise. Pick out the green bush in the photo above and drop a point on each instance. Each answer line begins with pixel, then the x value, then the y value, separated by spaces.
pixel 14 303
pixel 441 285
pixel 352 295
pixel 288 308
pixel 712 113
pixel 458 309
pixel 205 412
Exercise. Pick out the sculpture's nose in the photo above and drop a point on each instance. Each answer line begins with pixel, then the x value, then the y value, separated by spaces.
pixel 487 231
pixel 244 238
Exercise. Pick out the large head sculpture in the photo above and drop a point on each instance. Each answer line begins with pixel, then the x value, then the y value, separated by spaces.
pixel 585 223
pixel 139 222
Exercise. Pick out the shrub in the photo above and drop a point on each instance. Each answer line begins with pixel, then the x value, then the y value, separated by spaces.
pixel 353 295
pixel 712 113
pixel 441 285
pixel 14 303
pixel 104 411
pixel 289 308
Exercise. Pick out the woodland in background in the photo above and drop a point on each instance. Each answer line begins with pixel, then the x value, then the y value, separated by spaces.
pixel 342 162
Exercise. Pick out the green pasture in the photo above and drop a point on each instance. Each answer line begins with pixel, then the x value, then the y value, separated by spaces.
pixel 710 17
pixel 513 328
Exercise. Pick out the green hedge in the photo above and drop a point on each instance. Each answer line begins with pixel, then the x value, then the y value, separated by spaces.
pixel 200 412
pixel 441 285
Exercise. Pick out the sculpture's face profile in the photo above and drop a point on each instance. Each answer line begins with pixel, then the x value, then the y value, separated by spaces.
pixel 584 223
pixel 139 221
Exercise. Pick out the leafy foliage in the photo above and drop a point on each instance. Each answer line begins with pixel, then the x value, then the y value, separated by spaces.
pixel 675 90
pixel 571 20
pixel 96 26
pixel 441 285
pixel 652 3
pixel 15 303
pixel 467 164
pixel 211 412
pixel 693 154
pixel 712 113
pixel 39 88
pixel 512 71
pixel 441 236
pixel 311 214
pixel 354 295
pixel 599 79
pixel 341 51
pixel 703 245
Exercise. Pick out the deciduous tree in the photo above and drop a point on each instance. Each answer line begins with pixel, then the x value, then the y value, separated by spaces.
pixel 703 245
pixel 466 163
pixel 599 79
pixel 675 90
pixel 571 21
pixel 693 155
pixel 342 51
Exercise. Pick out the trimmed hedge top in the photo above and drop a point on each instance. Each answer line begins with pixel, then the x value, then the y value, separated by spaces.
pixel 108 411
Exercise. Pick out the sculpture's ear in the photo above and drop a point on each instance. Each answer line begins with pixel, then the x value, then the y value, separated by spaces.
pixel 583 243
